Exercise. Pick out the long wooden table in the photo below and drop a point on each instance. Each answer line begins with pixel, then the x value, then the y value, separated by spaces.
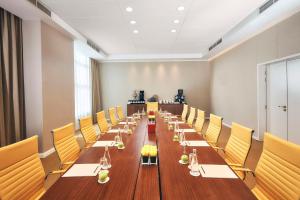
pixel 130 180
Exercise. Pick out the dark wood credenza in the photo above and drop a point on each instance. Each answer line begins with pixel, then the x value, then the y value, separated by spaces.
pixel 175 109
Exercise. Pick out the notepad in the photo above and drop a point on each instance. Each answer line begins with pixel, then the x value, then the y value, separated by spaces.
pixel 116 131
pixel 130 123
pixel 216 171
pixel 174 122
pixel 78 170
pixel 197 143
pixel 187 130
pixel 104 143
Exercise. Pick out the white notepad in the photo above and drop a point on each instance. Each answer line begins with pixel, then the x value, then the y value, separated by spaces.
pixel 116 131
pixel 178 122
pixel 174 117
pixel 130 123
pixel 104 144
pixel 197 143
pixel 187 130
pixel 216 171
pixel 78 170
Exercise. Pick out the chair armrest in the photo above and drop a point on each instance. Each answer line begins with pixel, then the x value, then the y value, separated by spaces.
pixel 246 170
pixel 219 148
pixel 55 172
pixel 235 165
pixel 68 163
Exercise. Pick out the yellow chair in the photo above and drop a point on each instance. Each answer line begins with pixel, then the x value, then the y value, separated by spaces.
pixel 112 116
pixel 191 117
pixel 152 106
pixel 184 112
pixel 21 171
pixel 214 128
pixel 277 173
pixel 66 145
pixel 120 113
pixel 88 130
pixel 200 121
pixel 102 122
pixel 238 146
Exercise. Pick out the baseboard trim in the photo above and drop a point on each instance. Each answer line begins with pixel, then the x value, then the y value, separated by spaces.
pixel 47 153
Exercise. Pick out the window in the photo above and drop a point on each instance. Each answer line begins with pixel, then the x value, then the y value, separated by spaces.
pixel 83 86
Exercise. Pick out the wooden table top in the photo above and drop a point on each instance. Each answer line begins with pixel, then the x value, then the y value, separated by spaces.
pixel 130 180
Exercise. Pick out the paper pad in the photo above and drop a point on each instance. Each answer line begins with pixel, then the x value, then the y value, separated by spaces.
pixel 104 143
pixel 216 171
pixel 78 170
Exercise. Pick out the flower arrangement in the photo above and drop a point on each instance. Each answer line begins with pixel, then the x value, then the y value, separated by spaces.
pixel 149 154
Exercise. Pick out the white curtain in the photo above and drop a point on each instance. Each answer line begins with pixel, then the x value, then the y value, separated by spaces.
pixel 83 86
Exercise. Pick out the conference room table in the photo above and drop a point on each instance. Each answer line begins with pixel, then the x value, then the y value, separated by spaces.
pixel 129 179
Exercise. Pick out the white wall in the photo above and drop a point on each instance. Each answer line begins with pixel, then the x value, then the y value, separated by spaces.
pixel 58 82
pixel 49 80
pixel 234 76
pixel 119 80
pixel 32 56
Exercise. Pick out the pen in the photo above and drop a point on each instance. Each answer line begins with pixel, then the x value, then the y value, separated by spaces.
pixel 202 169
pixel 96 169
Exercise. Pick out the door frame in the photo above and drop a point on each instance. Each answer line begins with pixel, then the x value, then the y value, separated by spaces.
pixel 262 94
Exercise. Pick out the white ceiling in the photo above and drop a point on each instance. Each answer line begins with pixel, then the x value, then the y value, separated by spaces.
pixel 106 23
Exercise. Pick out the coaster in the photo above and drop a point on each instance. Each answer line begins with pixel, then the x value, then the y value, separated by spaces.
pixel 195 173
pixel 183 163
pixel 106 180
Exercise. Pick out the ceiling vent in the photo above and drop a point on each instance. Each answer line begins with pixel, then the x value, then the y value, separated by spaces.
pixel 40 6
pixel 267 5
pixel 215 44
pixel 93 46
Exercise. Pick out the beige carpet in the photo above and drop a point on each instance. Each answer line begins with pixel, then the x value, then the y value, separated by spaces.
pixel 52 162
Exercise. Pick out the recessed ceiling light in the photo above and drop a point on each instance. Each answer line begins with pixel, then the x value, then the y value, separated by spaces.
pixel 176 21
pixel 129 9
pixel 180 8
pixel 135 31
pixel 132 22
pixel 173 30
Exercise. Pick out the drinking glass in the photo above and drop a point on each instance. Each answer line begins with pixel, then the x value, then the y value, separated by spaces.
pixel 105 164
pixel 194 164
pixel 117 140
pixel 190 160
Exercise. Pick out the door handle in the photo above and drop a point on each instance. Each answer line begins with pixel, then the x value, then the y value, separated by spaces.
pixel 283 107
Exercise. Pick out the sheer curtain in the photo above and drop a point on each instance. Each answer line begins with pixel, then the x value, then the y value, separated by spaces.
pixel 83 86
pixel 96 97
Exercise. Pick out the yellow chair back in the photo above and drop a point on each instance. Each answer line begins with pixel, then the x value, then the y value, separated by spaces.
pixel 87 129
pixel 152 106
pixel 184 112
pixel 112 116
pixel 214 128
pixel 200 121
pixel 21 171
pixel 120 113
pixel 238 145
pixel 191 116
pixel 102 122
pixel 278 170
pixel 66 144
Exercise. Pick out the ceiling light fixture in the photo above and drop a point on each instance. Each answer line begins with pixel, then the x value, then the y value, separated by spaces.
pixel 176 21
pixel 129 9
pixel 173 30
pixel 132 22
pixel 135 31
pixel 180 8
